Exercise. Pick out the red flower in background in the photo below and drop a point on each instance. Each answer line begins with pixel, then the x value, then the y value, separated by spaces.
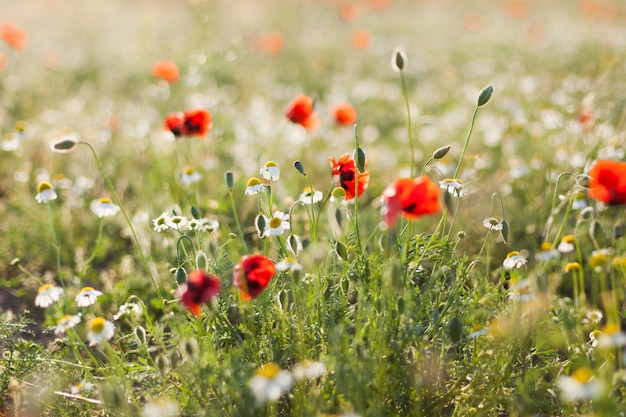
pixel 200 288
pixel 410 198
pixel 193 122
pixel 166 70
pixel 301 111
pixel 15 36
pixel 344 175
pixel 198 122
pixel 175 123
pixel 608 182
pixel 345 114
pixel 252 274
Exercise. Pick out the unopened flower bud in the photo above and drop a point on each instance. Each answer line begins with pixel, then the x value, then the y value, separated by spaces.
pixel 298 165
pixel 230 179
pixel 441 152
pixel 484 96
pixel 398 59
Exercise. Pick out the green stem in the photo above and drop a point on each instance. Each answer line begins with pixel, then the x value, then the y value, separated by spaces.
pixel 469 134
pixel 356 191
pixel 57 249
pixel 409 128
pixel 118 201
pixel 236 216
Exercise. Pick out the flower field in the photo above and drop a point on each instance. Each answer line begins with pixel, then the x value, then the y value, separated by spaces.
pixel 313 208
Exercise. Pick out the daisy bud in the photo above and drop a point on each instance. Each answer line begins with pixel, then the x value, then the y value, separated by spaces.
pixel 398 59
pixel 484 96
pixel 230 179
pixel 461 234
pixel 441 152
pixel 298 165
pixel 232 236
pixel 341 250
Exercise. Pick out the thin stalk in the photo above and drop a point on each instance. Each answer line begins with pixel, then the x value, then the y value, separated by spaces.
pixel 469 134
pixel 236 216
pixel 409 127
pixel 118 201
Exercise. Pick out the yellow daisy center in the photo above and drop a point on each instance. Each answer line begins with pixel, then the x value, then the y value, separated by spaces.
pixel 572 266
pixel 97 325
pixel 254 182
pixel 512 254
pixel 568 239
pixel 269 370
pixel 582 375
pixel 85 289
pixel 44 287
pixel 275 222
pixel 189 170
pixel 546 246
pixel 269 164
pixel 105 200
pixel 43 186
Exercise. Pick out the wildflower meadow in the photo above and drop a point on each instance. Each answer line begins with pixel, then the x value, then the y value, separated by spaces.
pixel 312 208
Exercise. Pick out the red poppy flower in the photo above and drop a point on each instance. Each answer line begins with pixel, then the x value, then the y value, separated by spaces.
pixel 175 123
pixel 608 182
pixel 344 113
pixel 301 111
pixel 201 287
pixel 252 274
pixel 410 198
pixel 192 122
pixel 15 36
pixel 344 171
pixel 198 122
pixel 166 70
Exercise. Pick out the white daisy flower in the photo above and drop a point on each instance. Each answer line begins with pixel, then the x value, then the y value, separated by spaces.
pixel 593 316
pixel 478 330
pixel 310 196
pixel 99 330
pixel 66 322
pixel 270 171
pixel 179 223
pixel 131 309
pixel 161 407
pixel 454 187
pixel 547 252
pixel 47 295
pixel 492 223
pixel 254 186
pixel 45 192
pixel 104 207
pixel 514 260
pixel 612 336
pixel 208 225
pixel 87 296
pixel 270 382
pixel 80 387
pixel 580 201
pixel 580 385
pixel 308 370
pixel 162 222
pixel 190 175
pixel 277 224
pixel 567 244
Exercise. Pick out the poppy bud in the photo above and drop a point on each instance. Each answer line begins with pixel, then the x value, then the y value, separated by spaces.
pixel 181 276
pixel 341 250
pixel 298 165
pixel 65 145
pixel 441 152
pixel 230 179
pixel 455 329
pixel 484 96
pixel 202 261
pixel 398 59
